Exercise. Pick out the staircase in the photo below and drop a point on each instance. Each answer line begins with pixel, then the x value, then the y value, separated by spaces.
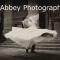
pixel 53 45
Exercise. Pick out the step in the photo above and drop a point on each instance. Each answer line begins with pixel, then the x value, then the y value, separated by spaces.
pixel 8 41
pixel 44 41
pixel 41 43
pixel 48 48
pixel 55 45
pixel 48 45
pixel 49 42
pixel 48 51
pixel 41 48
pixel 12 46
pixel 38 44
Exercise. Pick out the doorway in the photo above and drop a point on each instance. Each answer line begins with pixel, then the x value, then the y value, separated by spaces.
pixel 1 22
pixel 42 20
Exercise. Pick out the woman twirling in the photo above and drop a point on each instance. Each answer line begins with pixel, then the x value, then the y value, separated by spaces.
pixel 30 35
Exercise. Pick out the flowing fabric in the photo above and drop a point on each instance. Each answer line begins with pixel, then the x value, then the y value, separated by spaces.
pixel 26 37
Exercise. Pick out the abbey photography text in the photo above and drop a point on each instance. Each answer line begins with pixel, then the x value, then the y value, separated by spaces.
pixel 27 7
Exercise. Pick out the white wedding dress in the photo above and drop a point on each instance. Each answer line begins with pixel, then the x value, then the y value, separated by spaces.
pixel 26 37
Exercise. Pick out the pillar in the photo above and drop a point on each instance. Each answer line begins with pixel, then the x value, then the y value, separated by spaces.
pixel 33 12
pixel 47 19
pixel 32 3
pixel 8 16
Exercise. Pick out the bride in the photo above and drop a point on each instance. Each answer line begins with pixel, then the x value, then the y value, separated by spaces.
pixel 30 35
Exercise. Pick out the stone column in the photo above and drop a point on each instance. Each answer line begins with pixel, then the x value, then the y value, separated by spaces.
pixel 8 17
pixel 46 20
pixel 33 12
pixel 32 3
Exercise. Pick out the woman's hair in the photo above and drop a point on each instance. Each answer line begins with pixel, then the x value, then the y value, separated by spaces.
pixel 30 20
pixel 25 23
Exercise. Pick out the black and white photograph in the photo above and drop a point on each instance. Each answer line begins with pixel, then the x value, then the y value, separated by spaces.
pixel 29 30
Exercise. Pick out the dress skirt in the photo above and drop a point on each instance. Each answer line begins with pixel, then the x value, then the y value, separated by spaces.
pixel 26 37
